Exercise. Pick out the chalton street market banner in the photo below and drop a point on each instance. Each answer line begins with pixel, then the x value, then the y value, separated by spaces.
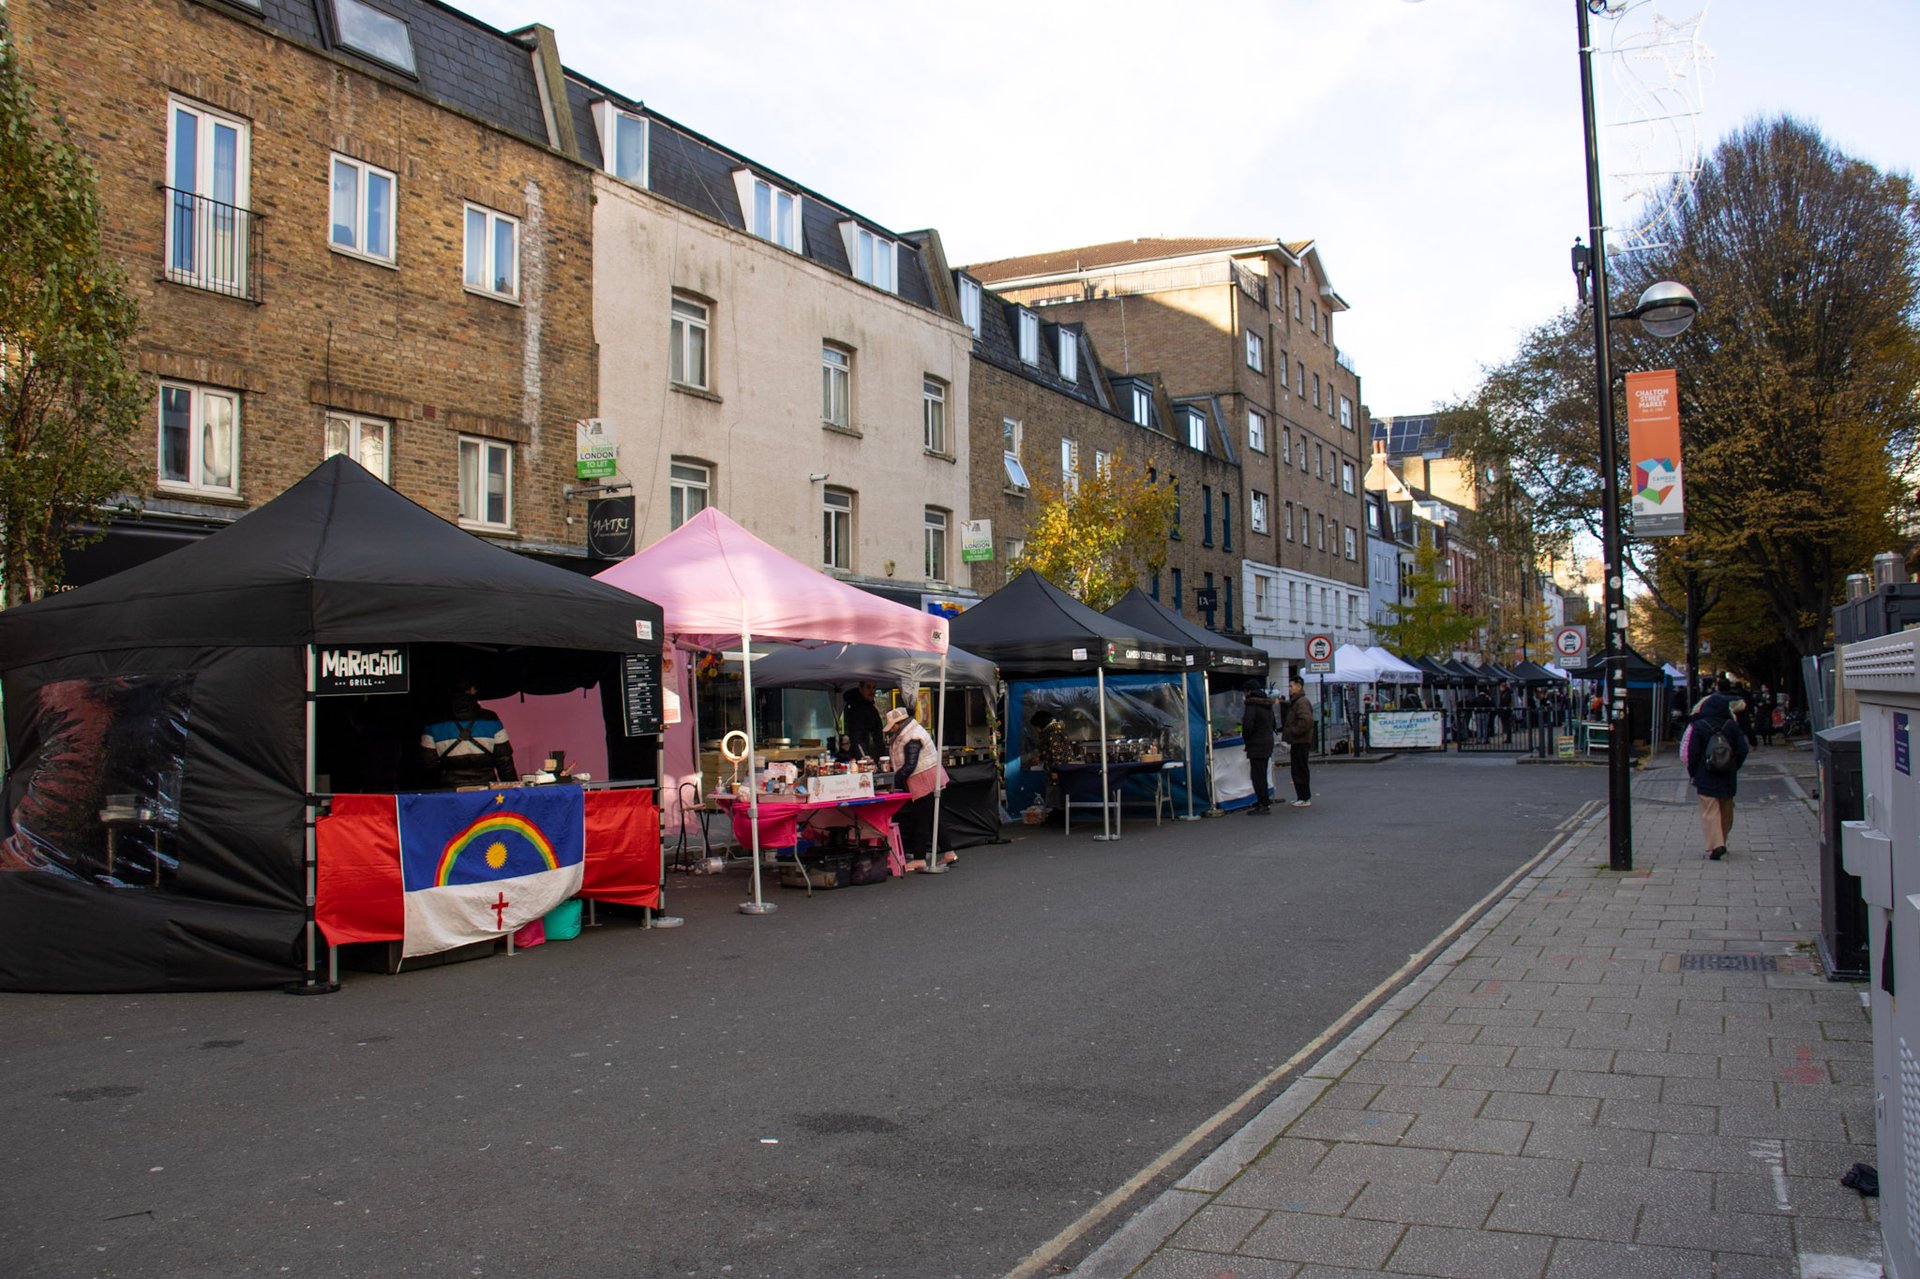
pixel 1653 445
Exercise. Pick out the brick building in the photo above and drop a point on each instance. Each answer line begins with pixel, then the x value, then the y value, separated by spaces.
pixel 1246 326
pixel 348 232
pixel 1062 412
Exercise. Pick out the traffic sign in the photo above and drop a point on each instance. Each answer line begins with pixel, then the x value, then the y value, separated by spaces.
pixel 1570 643
pixel 1319 654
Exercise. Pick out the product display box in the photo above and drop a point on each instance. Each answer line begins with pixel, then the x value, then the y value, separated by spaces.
pixel 841 786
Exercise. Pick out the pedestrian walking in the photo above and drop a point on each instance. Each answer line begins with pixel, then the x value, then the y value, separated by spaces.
pixel 1764 706
pixel 1297 733
pixel 1713 750
pixel 1256 731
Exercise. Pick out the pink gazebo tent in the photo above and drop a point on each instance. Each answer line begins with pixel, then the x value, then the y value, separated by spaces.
pixel 717 584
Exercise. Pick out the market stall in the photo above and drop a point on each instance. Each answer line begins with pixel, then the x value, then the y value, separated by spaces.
pixel 1069 663
pixel 1216 655
pixel 169 727
pixel 721 588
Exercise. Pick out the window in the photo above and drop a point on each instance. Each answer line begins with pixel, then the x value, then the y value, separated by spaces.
pixel 933 414
pixel 1013 548
pixel 688 336
pixel 1286 445
pixel 1296 302
pixel 1069 354
pixel 1174 532
pixel 1347 533
pixel 1070 465
pixel 380 36
pixel 493 252
pixel 1262 595
pixel 1373 518
pixel 199 438
pixel 1316 390
pixel 1289 521
pixel 1141 404
pixel 1197 430
pixel 1226 520
pixel 936 525
pixel 486 483
pixel 1280 368
pixel 1300 385
pixel 1226 598
pixel 1320 542
pixel 1257 511
pixel 1029 337
pixel 1329 397
pixel 362 221
pixel 771 212
pixel 1326 606
pixel 1316 317
pixel 1346 412
pixel 1211 594
pixel 1206 515
pixel 1010 433
pixel 970 304
pixel 207 173
pixel 1346 477
pixel 836 386
pixel 870 256
pixel 1353 610
pixel 1153 588
pixel 364 439
pixel 1256 352
pixel 1319 461
pixel 689 491
pixel 1302 451
pixel 1102 464
pixel 623 142
pixel 1293 601
pixel 1176 590
pixel 836 529
pixel 1256 430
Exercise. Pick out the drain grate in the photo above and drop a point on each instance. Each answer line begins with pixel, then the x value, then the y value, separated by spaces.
pixel 1725 963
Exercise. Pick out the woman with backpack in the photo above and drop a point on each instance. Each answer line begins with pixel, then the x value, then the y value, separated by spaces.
pixel 1713 750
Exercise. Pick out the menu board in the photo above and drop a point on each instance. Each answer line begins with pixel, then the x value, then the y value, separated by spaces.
pixel 640 693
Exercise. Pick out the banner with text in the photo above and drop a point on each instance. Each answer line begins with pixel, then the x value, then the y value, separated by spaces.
pixel 1653 446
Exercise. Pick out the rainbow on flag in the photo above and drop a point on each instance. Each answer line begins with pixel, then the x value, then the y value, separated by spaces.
pixel 479 864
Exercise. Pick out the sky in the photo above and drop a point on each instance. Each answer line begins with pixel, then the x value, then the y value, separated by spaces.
pixel 1431 148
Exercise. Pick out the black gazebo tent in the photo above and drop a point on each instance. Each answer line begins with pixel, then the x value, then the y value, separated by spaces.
pixel 182 691
pixel 1222 656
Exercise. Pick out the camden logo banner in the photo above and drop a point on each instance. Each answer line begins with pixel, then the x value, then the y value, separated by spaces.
pixel 479 864
pixel 1653 445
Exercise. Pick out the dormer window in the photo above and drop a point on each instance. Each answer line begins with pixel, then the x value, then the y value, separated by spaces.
pixel 1069 355
pixel 623 141
pixel 380 36
pixel 1142 405
pixel 1029 337
pixel 1196 430
pixel 770 212
pixel 871 257
pixel 970 304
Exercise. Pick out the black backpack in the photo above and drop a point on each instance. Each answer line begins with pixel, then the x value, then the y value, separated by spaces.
pixel 1717 757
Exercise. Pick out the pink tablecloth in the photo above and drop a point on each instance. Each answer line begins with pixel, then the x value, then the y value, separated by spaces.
pixel 782 820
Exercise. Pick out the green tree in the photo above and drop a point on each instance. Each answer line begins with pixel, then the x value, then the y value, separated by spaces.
pixel 1096 538
pixel 68 402
pixel 1429 624
pixel 1798 413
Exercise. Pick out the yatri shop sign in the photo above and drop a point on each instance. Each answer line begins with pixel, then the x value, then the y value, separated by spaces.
pixel 1653 443
pixel 345 672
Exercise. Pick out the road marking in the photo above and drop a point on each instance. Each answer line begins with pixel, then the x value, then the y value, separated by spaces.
pixel 1034 1262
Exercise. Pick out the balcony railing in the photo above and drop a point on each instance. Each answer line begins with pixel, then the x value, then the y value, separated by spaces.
pixel 211 245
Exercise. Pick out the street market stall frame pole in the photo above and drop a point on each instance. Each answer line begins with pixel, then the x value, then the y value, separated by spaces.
pixel 310 983
pixel 759 905
pixel 1106 795
pixel 933 866
pixel 1213 804
pixel 1186 723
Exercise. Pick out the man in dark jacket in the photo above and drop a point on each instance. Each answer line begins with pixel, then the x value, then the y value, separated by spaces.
pixel 1297 733
pixel 861 722
pixel 1717 713
pixel 469 746
pixel 1256 730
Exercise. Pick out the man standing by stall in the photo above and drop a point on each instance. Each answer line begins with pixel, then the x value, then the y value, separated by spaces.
pixel 1256 735
pixel 467 747
pixel 1297 733
pixel 916 770
pixel 860 722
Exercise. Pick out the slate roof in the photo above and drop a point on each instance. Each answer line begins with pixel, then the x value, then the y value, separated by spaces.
pixel 1117 253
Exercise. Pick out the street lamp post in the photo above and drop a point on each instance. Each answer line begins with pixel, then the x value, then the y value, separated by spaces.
pixel 1665 310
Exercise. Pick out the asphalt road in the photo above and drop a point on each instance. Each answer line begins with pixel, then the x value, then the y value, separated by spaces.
pixel 926 1078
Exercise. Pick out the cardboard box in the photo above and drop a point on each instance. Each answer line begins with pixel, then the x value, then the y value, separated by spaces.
pixel 841 786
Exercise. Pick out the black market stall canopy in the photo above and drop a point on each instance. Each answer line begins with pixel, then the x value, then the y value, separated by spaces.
pixel 1222 656
pixel 178 691
pixel 1534 673
pixel 844 665
pixel 1031 627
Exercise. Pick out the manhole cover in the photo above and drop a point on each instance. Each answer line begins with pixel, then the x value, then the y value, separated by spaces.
pixel 1729 963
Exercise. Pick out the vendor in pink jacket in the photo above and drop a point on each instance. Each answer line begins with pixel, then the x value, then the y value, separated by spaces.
pixel 916 770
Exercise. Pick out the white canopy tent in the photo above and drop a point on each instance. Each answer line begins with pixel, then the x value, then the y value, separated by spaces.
pixel 1392 669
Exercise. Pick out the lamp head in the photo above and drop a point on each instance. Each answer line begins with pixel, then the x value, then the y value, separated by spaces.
pixel 1666 309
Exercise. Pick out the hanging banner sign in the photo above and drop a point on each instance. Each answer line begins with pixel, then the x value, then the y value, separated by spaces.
pixel 1653 445
pixel 345 672
pixel 610 527
pixel 595 455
